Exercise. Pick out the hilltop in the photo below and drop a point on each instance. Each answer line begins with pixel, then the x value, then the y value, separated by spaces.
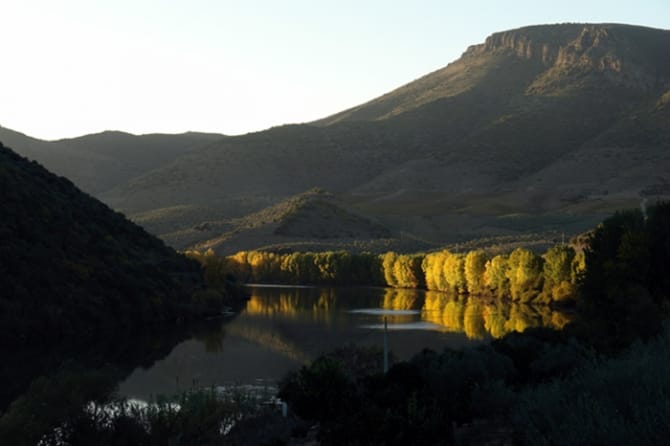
pixel 543 129
pixel 314 220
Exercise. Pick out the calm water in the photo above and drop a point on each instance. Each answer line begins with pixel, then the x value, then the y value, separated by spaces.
pixel 282 328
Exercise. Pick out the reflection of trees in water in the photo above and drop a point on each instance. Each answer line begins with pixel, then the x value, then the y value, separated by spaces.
pixel 285 304
pixel 269 339
pixel 473 320
pixel 400 299
pixel 45 385
pixel 444 309
pixel 294 303
pixel 477 318
pixel 495 316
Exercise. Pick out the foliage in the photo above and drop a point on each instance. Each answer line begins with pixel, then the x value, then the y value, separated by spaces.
pixel 622 400
pixel 559 271
pixel 624 254
pixel 495 275
pixel 548 387
pixel 474 269
pixel 519 275
pixel 624 289
pixel 70 266
pixel 524 274
pixel 420 401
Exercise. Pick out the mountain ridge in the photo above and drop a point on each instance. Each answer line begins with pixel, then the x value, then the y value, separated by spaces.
pixel 99 161
pixel 555 125
pixel 573 40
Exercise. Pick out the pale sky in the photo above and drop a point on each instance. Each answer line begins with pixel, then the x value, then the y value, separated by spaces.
pixel 72 67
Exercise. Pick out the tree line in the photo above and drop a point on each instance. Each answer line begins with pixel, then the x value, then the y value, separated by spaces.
pixel 522 275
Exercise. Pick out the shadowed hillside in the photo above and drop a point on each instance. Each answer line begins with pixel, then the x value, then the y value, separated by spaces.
pixel 311 220
pixel 541 129
pixel 69 265
pixel 98 162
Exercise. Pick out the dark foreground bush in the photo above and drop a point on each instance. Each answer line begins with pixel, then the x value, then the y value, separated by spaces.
pixel 540 387
pixel 619 401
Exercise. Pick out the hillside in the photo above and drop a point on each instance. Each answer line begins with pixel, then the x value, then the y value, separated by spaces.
pixel 563 57
pixel 313 220
pixel 69 265
pixel 98 162
pixel 542 129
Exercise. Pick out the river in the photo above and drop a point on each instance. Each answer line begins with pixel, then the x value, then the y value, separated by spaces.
pixel 278 330
pixel 282 328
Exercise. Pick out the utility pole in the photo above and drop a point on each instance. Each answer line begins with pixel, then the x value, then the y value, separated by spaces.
pixel 386 347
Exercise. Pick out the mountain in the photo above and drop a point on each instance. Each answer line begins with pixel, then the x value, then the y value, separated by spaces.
pixel 98 162
pixel 70 266
pixel 311 221
pixel 543 129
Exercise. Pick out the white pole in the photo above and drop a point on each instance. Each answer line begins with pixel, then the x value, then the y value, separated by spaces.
pixel 386 347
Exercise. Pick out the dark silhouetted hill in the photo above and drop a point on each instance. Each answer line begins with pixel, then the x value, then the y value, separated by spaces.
pixel 69 265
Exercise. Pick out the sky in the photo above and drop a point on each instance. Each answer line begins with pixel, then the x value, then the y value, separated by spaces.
pixel 73 67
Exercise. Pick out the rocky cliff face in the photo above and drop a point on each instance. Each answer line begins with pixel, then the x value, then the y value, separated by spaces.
pixel 611 50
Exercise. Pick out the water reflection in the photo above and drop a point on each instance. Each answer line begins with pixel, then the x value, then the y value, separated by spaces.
pixel 44 385
pixel 279 330
pixel 475 317
pixel 282 328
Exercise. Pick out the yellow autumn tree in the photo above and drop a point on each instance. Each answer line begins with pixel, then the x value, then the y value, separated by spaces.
pixel 475 269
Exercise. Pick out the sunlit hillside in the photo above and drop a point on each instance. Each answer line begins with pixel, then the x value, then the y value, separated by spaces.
pixel 540 130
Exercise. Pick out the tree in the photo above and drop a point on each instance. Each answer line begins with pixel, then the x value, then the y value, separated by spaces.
pixel 388 261
pixel 475 269
pixel 496 275
pixel 557 272
pixel 454 272
pixel 524 274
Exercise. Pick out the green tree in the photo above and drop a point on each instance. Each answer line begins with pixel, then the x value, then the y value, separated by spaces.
pixel 558 273
pixel 524 274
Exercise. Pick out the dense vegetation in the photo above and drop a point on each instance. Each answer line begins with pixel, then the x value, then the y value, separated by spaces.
pixel 528 387
pixel 626 288
pixel 521 275
pixel 69 265
pixel 537 387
